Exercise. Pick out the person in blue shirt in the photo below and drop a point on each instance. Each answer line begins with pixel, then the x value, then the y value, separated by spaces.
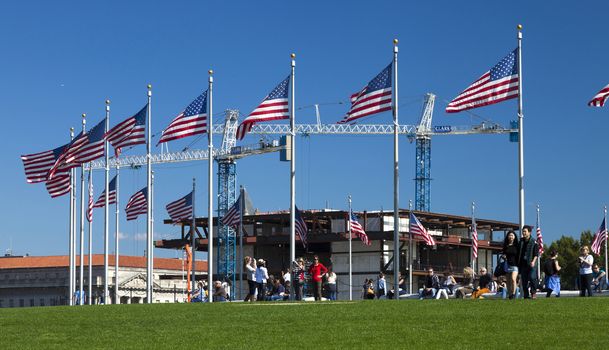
pixel 599 278
pixel 381 286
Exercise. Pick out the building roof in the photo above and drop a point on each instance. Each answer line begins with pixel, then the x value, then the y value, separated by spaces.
pixel 22 262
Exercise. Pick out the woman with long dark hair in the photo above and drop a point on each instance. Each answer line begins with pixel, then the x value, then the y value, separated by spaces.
pixel 510 254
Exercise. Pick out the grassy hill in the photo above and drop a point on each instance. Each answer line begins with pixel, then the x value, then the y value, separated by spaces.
pixel 446 324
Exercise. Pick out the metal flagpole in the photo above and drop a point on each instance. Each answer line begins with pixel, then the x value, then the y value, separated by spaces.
pixel 292 168
pixel 116 241
pixel 241 211
pixel 606 239
pixel 350 253
pixel 82 223
pixel 410 255
pixel 520 133
pixel 471 236
pixel 537 239
pixel 106 210
pixel 71 236
pixel 193 232
pixel 149 207
pixel 210 198
pixel 90 281
pixel 151 191
pixel 396 176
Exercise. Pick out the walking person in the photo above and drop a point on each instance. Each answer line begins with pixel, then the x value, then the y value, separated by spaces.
pixel 317 270
pixel 250 267
pixel 510 254
pixel 298 269
pixel 527 263
pixel 262 275
pixel 585 261
pixel 551 268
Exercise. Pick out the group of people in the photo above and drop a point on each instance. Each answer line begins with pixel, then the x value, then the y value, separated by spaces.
pixel 265 287
pixel 220 292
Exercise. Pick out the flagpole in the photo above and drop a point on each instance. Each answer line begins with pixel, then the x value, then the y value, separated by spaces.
pixel 241 211
pixel 116 239
pixel 520 133
pixel 537 239
pixel 106 210
pixel 350 253
pixel 396 176
pixel 606 239
pixel 82 222
pixel 210 190
pixel 471 235
pixel 90 291
pixel 149 275
pixel 292 168
pixel 193 230
pixel 71 235
pixel 410 255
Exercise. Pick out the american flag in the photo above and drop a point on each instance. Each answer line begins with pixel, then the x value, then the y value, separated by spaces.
pixel 301 228
pixel 181 209
pixel 65 159
pixel 37 165
pixel 599 238
pixel 232 218
pixel 539 237
pixel 474 238
pixel 498 84
pixel 129 132
pixel 373 98
pixel 94 147
pixel 273 107
pixel 90 206
pixel 138 204
pixel 416 228
pixel 58 185
pixel 599 99
pixel 192 121
pixel 101 201
pixel 357 228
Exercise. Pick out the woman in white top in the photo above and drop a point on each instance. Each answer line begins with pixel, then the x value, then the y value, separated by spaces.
pixel 262 275
pixel 331 284
pixel 585 261
pixel 250 266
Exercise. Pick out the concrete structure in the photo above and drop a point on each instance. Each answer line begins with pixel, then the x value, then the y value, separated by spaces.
pixel 267 236
pixel 43 281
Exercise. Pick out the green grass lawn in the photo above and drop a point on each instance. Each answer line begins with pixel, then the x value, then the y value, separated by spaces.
pixel 447 324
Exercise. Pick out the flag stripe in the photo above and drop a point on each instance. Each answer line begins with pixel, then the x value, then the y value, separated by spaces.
pixel 417 229
pixel 137 204
pixel 599 99
pixel 191 121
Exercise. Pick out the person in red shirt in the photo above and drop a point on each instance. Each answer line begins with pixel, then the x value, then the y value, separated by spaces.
pixel 317 270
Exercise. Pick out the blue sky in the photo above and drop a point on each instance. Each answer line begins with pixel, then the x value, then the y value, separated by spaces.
pixel 60 59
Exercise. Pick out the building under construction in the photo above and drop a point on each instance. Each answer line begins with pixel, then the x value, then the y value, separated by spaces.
pixel 267 235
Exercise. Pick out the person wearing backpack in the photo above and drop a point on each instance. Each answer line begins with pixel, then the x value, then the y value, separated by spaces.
pixel 551 269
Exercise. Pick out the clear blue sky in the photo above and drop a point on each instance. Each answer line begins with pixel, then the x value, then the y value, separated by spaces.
pixel 60 59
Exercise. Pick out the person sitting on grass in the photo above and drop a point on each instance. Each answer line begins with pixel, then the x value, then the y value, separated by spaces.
pixel 483 283
pixel 467 285
pixel 219 292
pixel 431 286
pixel 599 278
pixel 278 292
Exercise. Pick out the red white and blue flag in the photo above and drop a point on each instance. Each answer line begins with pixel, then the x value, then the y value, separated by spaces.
pixel 181 209
pixel 59 185
pixel 500 83
pixel 273 107
pixel 37 165
pixel 130 132
pixel 358 229
pixel 301 228
pixel 101 201
pixel 94 147
pixel 373 98
pixel 416 228
pixel 90 206
pixel 137 204
pixel 599 238
pixel 539 237
pixel 474 238
pixel 599 99
pixel 65 160
pixel 192 121
pixel 232 218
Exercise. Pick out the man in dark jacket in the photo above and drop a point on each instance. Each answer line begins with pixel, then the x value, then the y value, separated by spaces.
pixel 528 252
pixel 432 284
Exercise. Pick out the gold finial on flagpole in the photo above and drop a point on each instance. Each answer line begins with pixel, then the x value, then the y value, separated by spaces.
pixel 149 86
pixel 293 55
pixel 519 27
pixel 211 72
pixel 84 115
pixel 107 102
pixel 395 41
